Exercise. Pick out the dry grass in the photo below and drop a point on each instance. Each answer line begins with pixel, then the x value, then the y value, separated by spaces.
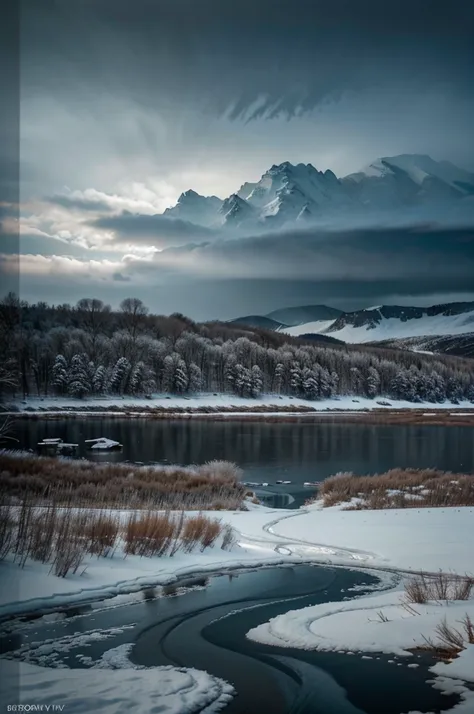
pixel 101 532
pixel 150 534
pixel 422 588
pixel 7 523
pixel 155 534
pixel 64 537
pixel 399 488
pixel 451 640
pixel 214 485
pixel 70 545
pixel 59 511
pixel 442 587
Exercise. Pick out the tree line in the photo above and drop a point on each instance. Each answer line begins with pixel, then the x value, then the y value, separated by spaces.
pixel 90 350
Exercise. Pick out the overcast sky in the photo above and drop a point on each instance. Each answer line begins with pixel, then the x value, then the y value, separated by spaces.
pixel 124 105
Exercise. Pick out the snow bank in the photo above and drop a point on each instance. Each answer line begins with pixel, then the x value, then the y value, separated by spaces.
pixel 347 403
pixel 377 623
pixel 168 690
pixel 460 668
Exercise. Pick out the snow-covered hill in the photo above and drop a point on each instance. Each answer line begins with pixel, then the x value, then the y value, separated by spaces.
pixel 389 322
pixel 289 194
pixel 447 328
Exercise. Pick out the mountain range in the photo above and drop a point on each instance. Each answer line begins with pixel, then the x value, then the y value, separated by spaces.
pixel 445 328
pixel 414 184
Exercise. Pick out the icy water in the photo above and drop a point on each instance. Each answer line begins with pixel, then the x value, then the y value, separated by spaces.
pixel 205 628
pixel 268 451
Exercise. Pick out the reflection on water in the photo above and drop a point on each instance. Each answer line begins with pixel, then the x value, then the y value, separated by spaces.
pixel 269 451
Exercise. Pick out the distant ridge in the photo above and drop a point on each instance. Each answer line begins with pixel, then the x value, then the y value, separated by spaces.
pixel 447 328
pixel 291 316
pixel 259 321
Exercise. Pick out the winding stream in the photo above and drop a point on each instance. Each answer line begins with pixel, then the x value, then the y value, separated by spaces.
pixel 204 626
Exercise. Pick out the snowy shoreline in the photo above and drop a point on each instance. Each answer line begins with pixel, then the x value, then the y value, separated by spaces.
pixel 224 406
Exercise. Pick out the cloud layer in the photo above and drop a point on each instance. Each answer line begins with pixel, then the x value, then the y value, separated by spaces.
pixel 228 277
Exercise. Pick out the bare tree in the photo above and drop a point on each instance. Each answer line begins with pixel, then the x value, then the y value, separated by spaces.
pixel 133 314
pixel 94 315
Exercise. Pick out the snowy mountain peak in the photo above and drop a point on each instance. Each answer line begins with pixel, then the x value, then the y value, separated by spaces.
pixel 233 203
pixel 291 192
pixel 407 184
pixel 193 207
pixel 189 194
pixel 280 168
pixel 235 210
pixel 246 189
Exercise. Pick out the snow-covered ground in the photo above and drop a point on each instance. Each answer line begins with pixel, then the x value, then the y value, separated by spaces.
pixel 428 539
pixel 346 403
pixel 122 689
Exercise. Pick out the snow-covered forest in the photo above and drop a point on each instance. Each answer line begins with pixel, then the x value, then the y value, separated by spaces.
pixel 90 350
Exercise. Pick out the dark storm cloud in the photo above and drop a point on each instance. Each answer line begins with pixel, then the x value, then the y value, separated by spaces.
pixel 420 259
pixel 225 56
pixel 240 297
pixel 157 229
pixel 347 269
pixel 10 96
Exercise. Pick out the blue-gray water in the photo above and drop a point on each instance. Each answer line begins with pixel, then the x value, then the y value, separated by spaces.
pixel 268 451
pixel 206 629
